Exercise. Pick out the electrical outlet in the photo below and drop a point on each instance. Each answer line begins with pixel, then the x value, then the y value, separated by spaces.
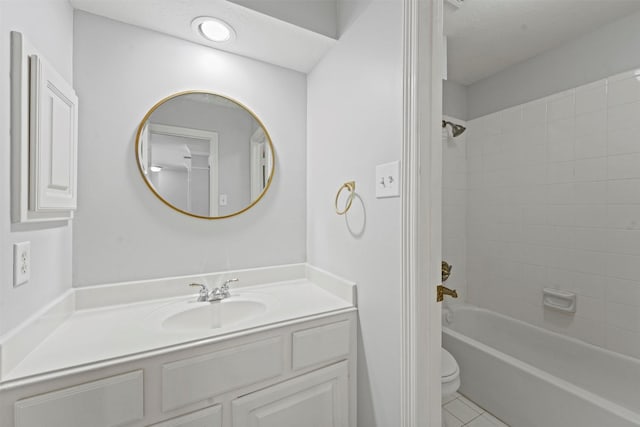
pixel 21 263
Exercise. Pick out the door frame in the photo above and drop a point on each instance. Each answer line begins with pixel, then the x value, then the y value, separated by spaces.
pixel 420 395
pixel 213 162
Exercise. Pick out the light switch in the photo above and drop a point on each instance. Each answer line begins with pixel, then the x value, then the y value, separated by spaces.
pixel 388 180
pixel 223 200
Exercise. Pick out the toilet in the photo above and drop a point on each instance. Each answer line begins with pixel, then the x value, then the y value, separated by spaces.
pixel 449 376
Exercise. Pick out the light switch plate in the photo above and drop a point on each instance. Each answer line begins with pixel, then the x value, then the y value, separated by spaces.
pixel 21 263
pixel 388 180
pixel 223 200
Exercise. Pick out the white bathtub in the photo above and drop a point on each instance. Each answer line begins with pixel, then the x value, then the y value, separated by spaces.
pixel 530 377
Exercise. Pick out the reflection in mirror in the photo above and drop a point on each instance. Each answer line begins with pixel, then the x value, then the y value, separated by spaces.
pixel 204 155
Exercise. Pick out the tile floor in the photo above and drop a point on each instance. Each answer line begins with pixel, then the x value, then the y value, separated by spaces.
pixel 459 411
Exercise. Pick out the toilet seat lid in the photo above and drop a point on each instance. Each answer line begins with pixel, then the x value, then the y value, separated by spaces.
pixel 449 366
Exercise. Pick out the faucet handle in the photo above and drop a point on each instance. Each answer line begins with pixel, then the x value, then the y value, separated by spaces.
pixel 226 282
pixel 204 292
pixel 225 286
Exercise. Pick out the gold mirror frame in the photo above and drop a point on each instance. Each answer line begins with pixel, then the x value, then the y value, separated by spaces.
pixel 162 199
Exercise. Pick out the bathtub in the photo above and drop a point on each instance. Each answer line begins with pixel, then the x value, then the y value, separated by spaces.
pixel 530 377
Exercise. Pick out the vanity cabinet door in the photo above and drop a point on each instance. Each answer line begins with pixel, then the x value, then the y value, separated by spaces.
pixel 317 399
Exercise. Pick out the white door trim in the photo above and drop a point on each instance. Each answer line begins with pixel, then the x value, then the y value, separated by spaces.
pixel 214 161
pixel 420 395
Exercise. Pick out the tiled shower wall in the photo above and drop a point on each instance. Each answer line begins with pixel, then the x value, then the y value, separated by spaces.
pixel 553 200
pixel 454 208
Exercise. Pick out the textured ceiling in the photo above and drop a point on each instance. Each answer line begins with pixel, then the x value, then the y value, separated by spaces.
pixel 486 36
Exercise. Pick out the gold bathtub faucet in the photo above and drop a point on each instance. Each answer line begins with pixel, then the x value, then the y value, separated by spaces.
pixel 446 271
pixel 442 290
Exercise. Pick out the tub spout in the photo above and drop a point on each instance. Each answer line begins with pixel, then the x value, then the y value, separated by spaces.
pixel 442 291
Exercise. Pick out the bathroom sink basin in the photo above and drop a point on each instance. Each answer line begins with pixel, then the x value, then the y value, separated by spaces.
pixel 213 315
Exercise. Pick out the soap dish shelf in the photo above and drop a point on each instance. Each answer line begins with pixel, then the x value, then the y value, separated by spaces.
pixel 559 300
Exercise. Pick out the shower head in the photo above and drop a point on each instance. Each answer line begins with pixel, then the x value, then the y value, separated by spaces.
pixel 456 130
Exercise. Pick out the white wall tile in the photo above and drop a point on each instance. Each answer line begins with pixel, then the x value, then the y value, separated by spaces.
pixel 511 119
pixel 454 197
pixel 594 169
pixel 623 242
pixel 623 116
pixel 591 134
pixel 535 215
pixel 623 91
pixel 623 191
pixel 591 97
pixel 624 166
pixel 623 316
pixel 622 141
pixel 624 217
pixel 532 174
pixel 590 215
pixel 623 291
pixel 561 106
pixel 561 215
pixel 532 194
pixel 534 113
pixel 590 308
pixel 594 122
pixel 590 285
pixel 590 239
pixel 561 172
pixel 561 134
pixel 623 341
pixel 558 204
pixel 561 194
pixel 623 266
pixel 532 255
pixel 590 192
pixel 590 145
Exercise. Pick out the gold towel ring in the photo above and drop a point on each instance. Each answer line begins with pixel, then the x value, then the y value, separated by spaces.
pixel 351 186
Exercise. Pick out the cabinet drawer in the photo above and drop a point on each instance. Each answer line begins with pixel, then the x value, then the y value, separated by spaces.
pixel 112 401
pixel 208 417
pixel 321 344
pixel 192 380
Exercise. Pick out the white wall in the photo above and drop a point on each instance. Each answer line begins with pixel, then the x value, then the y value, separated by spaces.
pixel 354 123
pixel 609 50
pixel 454 208
pixel 122 231
pixel 454 99
pixel 554 201
pixel 48 25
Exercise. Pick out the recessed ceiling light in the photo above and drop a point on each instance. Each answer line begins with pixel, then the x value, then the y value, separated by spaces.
pixel 155 168
pixel 213 29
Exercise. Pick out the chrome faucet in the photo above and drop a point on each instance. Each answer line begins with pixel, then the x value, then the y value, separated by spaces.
pixel 216 294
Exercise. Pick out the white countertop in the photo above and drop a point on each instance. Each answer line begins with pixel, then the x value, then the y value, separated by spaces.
pixel 98 334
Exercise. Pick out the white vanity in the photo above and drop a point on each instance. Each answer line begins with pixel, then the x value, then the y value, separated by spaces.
pixel 280 352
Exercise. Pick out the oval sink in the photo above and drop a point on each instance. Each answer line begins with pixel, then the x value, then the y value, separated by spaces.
pixel 214 315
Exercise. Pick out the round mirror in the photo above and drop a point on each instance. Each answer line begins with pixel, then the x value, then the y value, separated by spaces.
pixel 204 155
